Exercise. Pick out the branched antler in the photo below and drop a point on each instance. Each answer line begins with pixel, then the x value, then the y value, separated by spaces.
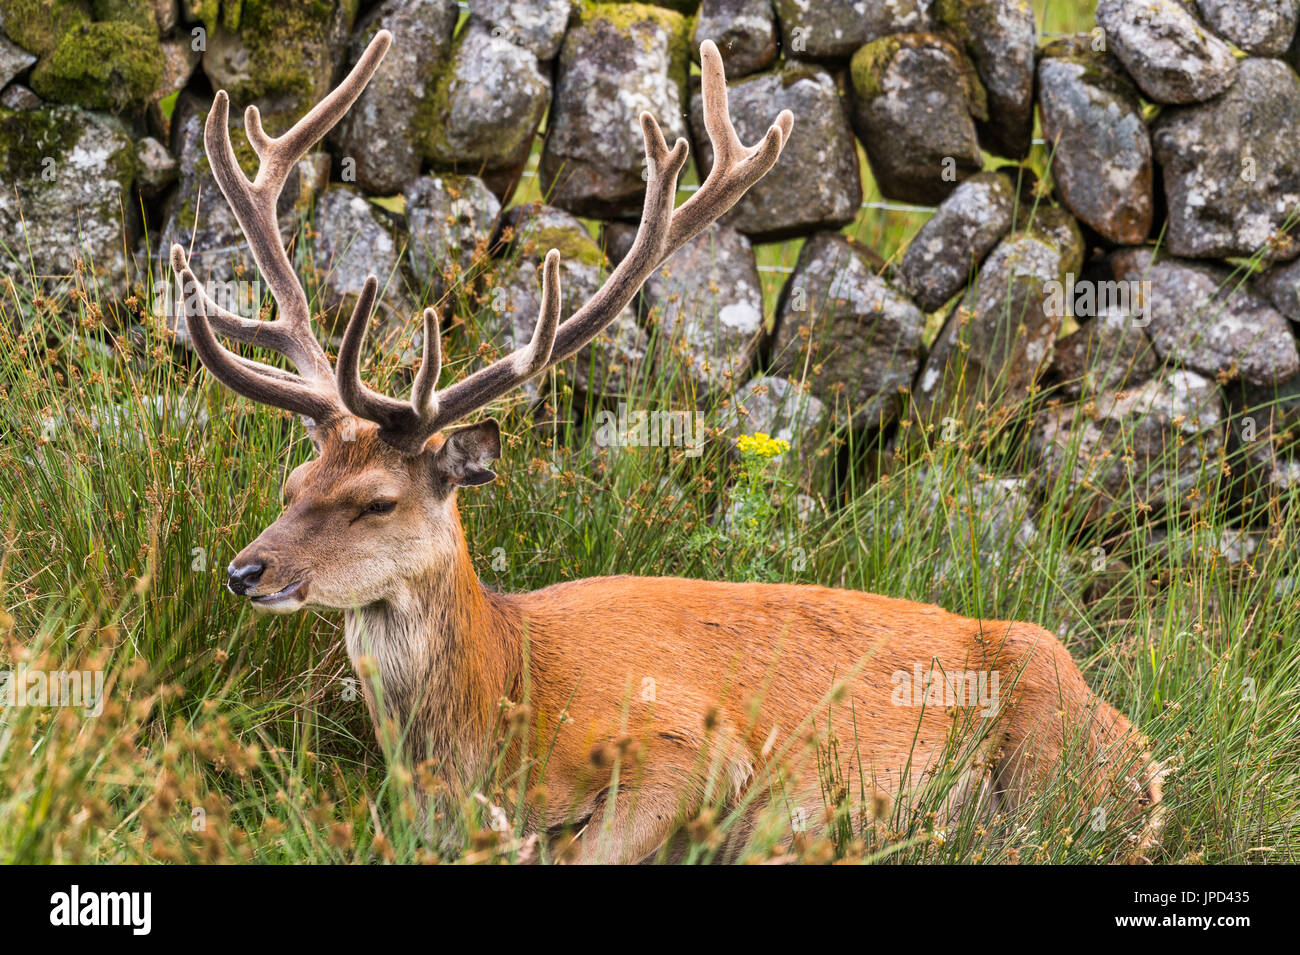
pixel 320 394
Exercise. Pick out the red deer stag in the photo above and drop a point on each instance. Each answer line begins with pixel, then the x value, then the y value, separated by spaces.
pixel 370 527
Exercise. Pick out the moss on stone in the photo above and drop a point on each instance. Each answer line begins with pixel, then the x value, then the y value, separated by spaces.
pixel 37 25
pixel 869 65
pixel 138 13
pixel 570 243
pixel 286 44
pixel 113 66
pixel 29 138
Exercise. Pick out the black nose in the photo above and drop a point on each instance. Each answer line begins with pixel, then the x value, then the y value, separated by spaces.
pixel 239 579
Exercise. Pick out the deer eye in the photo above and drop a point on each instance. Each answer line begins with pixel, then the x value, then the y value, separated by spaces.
pixel 379 507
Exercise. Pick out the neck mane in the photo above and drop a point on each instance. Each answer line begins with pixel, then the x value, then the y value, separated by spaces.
pixel 445 652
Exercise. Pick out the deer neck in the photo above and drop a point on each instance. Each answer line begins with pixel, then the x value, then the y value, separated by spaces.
pixel 444 651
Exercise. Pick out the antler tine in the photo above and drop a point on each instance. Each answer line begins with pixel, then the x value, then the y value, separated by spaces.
pixel 736 167
pixel 251 379
pixel 424 391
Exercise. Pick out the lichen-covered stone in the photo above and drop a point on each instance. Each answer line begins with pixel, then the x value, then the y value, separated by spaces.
pixel 1105 353
pixel 67 196
pixel 1100 147
pixel 13 60
pixel 1162 46
pixel 706 303
pixel 915 101
pixel 536 25
pixel 354 239
pixel 156 167
pixel 815 184
pixel 1281 286
pixel 377 135
pixel 778 408
pixel 999 37
pixel 114 66
pixel 744 30
pixel 858 338
pixel 485 108
pixel 948 249
pixel 38 25
pixel 609 363
pixel 166 14
pixel 1261 27
pixel 1144 446
pixel 617 61
pixel 449 223
pixel 999 339
pixel 284 57
pixel 833 29
pixel 1231 168
pixel 1204 318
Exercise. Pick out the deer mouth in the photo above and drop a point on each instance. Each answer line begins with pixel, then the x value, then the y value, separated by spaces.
pixel 282 601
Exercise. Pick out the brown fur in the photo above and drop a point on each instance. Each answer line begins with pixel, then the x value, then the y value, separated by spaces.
pixel 741 672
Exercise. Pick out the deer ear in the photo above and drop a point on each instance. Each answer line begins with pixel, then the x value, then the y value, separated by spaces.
pixel 463 458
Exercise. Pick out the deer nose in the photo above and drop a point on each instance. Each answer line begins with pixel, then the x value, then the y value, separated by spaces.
pixel 240 579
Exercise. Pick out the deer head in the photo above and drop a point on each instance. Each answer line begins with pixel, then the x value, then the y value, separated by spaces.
pixel 375 510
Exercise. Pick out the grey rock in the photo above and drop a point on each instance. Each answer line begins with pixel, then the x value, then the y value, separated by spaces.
pixel 68 176
pixel 815 184
pixel 1205 319
pixel 156 168
pixel 857 337
pixel 486 109
pixel 1265 423
pixel 833 29
pixel 915 101
pixel 947 250
pixel 1231 169
pixel 999 339
pixel 744 30
pixel 180 60
pixel 1107 352
pixel 1056 225
pixel 536 25
pixel 999 37
pixel 13 60
pixel 1261 27
pixel 449 222
pixel 353 241
pixel 1101 150
pixel 17 96
pixel 1147 445
pixel 778 408
pixel 1281 286
pixel 707 303
pixel 166 14
pixel 606 366
pixel 1167 52
pixel 593 162
pixel 378 133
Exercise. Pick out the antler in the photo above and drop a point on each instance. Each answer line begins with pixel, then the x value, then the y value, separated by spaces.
pixel 312 391
pixel 321 395
pixel 661 233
